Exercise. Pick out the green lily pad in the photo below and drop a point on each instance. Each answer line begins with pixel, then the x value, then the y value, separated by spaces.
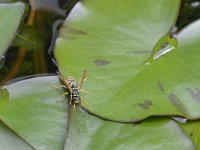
pixel 192 130
pixel 168 86
pixel 113 39
pixel 10 141
pixel 4 98
pixel 10 17
pixel 87 132
pixel 34 114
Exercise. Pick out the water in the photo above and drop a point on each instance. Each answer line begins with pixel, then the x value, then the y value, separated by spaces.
pixel 166 48
pixel 180 119
pixel 164 45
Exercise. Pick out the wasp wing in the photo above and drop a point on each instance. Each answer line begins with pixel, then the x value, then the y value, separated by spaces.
pixel 83 78
pixel 64 81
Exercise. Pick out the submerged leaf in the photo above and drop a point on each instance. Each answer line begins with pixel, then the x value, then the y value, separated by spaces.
pixel 34 114
pixel 30 38
pixel 10 141
pixel 192 129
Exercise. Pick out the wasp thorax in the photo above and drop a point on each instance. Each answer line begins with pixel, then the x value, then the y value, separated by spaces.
pixel 75 91
pixel 71 81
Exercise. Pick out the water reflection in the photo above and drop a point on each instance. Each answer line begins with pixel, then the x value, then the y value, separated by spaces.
pixel 167 47
pixel 169 44
pixel 180 119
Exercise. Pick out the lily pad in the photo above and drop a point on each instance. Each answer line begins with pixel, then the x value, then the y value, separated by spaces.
pixel 87 132
pixel 113 39
pixel 34 114
pixel 10 141
pixel 168 86
pixel 192 130
pixel 4 98
pixel 10 17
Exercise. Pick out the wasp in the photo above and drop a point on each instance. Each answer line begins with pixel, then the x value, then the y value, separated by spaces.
pixel 72 90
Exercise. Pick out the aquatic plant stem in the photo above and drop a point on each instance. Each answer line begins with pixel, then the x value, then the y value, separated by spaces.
pixel 38 56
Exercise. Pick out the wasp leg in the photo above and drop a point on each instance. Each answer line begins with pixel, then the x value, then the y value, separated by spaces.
pixel 85 91
pixel 70 102
pixel 75 103
pixel 83 102
pixel 61 99
pixel 64 93
pixel 58 86
pixel 74 106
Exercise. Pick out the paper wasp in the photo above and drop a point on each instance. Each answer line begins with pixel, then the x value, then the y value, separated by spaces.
pixel 72 90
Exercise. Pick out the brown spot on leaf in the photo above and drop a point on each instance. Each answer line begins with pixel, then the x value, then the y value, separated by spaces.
pixel 134 105
pixel 194 93
pixel 100 62
pixel 191 134
pixel 76 31
pixel 160 86
pixel 177 103
pixel 146 105
pixel 138 52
